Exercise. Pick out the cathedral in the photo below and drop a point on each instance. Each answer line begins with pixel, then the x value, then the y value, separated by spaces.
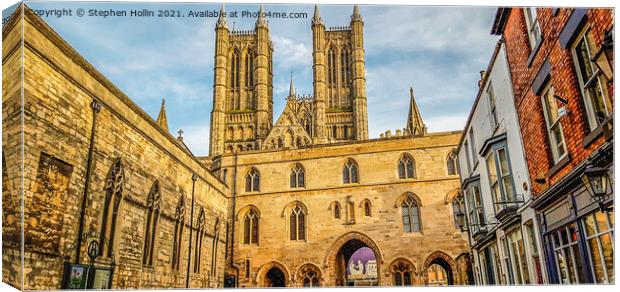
pixel 111 199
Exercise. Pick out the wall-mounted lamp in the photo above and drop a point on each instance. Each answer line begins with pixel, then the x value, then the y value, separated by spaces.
pixel 604 58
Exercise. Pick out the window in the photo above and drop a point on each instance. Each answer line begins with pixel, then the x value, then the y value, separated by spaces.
pixel 249 68
pixel 152 217
pixel 310 275
pixel 554 127
pixel 252 180
pixel 591 82
pixel 472 140
pixel 466 152
pixel 337 210
pixel 411 214
pixel 297 178
pixel 568 260
pixel 533 28
pixel 402 273
pixel 297 223
pixel 247 269
pixel 506 260
pixel 533 251
pixel 451 163
pixel 200 230
pixel 179 218
pixel 458 207
pixel 349 172
pixel 216 239
pixel 475 208
pixel 114 186
pixel 250 227
pixel 367 208
pixel 500 178
pixel 518 260
pixel 406 167
pixel 599 234
pixel 492 107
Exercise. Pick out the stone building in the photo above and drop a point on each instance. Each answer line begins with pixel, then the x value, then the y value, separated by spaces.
pixel 112 199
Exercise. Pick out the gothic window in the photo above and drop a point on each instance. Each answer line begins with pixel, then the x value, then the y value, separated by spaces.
pixel 178 233
pixel 411 214
pixel 337 210
pixel 451 164
pixel 349 172
pixel 346 132
pixel 344 66
pixel 234 72
pixel 298 177
pixel 297 223
pixel 230 133
pixel 250 227
pixel 406 167
pixel 334 132
pixel 367 208
pixel 216 238
pixel 249 68
pixel 200 230
pixel 114 186
pixel 402 273
pixel 458 208
pixel 152 217
pixel 310 275
pixel 331 68
pixel 252 180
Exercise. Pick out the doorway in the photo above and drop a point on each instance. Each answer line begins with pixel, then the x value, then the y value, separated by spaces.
pixel 274 278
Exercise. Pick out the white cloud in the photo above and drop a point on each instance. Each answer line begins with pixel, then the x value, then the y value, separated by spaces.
pixel 290 53
pixel 446 123
pixel 196 137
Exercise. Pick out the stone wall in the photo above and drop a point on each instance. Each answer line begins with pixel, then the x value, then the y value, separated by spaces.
pixel 379 183
pixel 59 87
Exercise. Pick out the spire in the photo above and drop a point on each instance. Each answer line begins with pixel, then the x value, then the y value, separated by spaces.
pixel 316 19
pixel 415 125
pixel 356 13
pixel 162 120
pixel 221 21
pixel 291 90
pixel 261 21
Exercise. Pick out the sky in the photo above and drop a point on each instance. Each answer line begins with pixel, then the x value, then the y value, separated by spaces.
pixel 439 51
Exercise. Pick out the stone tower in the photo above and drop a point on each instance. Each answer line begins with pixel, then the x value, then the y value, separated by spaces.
pixel 242 112
pixel 339 80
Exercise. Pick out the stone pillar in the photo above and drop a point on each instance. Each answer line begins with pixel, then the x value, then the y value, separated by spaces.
pixel 360 112
pixel 218 116
pixel 319 74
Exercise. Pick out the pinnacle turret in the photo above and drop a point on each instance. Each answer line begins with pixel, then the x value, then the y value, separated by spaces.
pixel 221 21
pixel 261 21
pixel 291 90
pixel 162 119
pixel 316 19
pixel 356 14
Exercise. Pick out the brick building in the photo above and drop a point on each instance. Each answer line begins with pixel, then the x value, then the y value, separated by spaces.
pixel 564 102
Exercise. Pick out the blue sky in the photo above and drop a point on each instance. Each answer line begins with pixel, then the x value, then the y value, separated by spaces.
pixel 437 50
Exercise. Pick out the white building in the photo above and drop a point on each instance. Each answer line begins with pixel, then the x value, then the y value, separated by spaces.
pixel 496 186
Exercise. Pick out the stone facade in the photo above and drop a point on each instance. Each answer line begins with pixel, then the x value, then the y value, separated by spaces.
pixel 56 121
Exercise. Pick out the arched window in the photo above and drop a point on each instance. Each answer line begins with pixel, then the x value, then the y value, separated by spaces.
pixel 411 214
pixel 234 72
pixel 216 239
pixel 249 70
pixel 298 177
pixel 344 64
pixel 114 186
pixel 200 230
pixel 310 275
pixel 337 210
pixel 367 208
pixel 152 217
pixel 349 172
pixel 298 223
pixel 451 163
pixel 406 167
pixel 402 273
pixel 252 180
pixel 250 227
pixel 331 67
pixel 178 232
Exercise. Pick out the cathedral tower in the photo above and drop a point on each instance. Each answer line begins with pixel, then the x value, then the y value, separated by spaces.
pixel 242 112
pixel 339 80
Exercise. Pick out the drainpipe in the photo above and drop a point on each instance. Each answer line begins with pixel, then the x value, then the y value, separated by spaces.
pixel 191 228
pixel 232 233
pixel 96 107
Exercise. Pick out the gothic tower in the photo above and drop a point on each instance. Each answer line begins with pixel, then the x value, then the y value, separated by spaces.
pixel 339 80
pixel 242 112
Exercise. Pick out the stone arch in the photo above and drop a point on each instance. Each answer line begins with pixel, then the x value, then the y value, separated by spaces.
pixel 304 270
pixel 262 273
pixel 402 265
pixel 291 205
pixel 445 261
pixel 405 195
pixel 245 209
pixel 334 249
pixel 451 195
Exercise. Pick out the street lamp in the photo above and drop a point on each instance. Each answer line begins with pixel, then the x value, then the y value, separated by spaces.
pixel 595 180
pixel 604 58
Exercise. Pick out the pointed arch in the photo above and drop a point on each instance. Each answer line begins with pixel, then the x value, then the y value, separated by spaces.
pixel 406 166
pixel 402 272
pixel 410 205
pixel 452 163
pixel 336 209
pixel 297 176
pixel 444 261
pixel 366 204
pixel 262 272
pixel 179 225
pixel 350 172
pixel 200 230
pixel 251 219
pixel 296 214
pixel 309 275
pixel 114 186
pixel 252 180
pixel 153 204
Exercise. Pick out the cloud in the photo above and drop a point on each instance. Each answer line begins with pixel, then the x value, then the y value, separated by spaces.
pixel 290 53
pixel 446 123
pixel 196 137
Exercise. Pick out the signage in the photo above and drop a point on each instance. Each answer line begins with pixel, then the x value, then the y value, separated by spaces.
pixel 362 265
pixel 76 276
pixel 101 279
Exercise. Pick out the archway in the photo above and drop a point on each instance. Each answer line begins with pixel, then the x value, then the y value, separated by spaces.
pixel 275 278
pixel 439 269
pixel 349 268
